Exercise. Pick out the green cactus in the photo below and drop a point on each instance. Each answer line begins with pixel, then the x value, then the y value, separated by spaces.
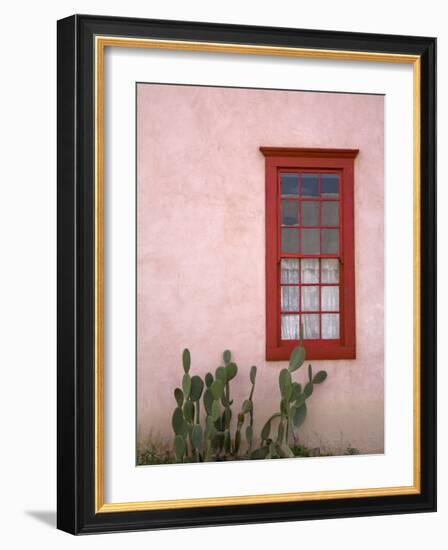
pixel 266 430
pixel 186 385
pixel 208 435
pixel 293 409
pixel 197 385
pixel 213 439
pixel 231 371
pixel 179 447
pixel 296 358
pixel 220 374
pixel 308 389
pixel 247 409
pixel 179 396
pixel 216 410
pixel 188 411
pixel 285 383
pixel 208 379
pixel 298 414
pixel 320 377
pixel 186 360
pixel 217 389
pixel 225 375
pixel 250 428
pixel 296 391
pixel 208 401
pixel 178 422
pixel 196 440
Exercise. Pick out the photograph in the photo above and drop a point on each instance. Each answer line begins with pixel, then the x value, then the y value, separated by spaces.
pixel 246 263
pixel 260 274
pixel 222 241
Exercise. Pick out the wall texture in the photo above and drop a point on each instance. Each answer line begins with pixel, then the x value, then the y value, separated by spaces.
pixel 201 246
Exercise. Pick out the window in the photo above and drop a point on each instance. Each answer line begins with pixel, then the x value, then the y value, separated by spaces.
pixel 310 275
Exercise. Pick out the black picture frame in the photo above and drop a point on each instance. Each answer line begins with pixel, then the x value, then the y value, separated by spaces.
pixel 76 287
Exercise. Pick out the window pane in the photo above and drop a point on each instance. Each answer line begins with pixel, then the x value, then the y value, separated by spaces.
pixel 330 298
pixel 290 212
pixel 330 270
pixel 290 241
pixel 330 185
pixel 289 185
pixel 310 270
pixel 330 326
pixel 310 185
pixel 311 329
pixel 310 241
pixel 310 213
pixel 330 241
pixel 330 213
pixel 290 298
pixel 290 327
pixel 289 271
pixel 310 298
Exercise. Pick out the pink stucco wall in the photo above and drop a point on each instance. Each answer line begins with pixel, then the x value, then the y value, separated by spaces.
pixel 201 249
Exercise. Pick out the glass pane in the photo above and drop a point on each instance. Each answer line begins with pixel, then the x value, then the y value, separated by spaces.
pixel 330 185
pixel 330 326
pixel 330 270
pixel 330 241
pixel 290 327
pixel 310 185
pixel 310 298
pixel 289 185
pixel 290 298
pixel 310 323
pixel 330 298
pixel 310 270
pixel 330 213
pixel 310 213
pixel 289 270
pixel 290 241
pixel 310 241
pixel 290 212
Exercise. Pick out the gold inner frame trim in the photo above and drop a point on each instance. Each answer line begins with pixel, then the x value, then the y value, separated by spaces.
pixel 101 42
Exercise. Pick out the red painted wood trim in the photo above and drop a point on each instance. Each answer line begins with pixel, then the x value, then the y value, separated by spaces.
pixel 341 160
pixel 309 152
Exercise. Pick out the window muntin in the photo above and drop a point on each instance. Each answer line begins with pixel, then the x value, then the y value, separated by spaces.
pixel 309 213
pixel 309 230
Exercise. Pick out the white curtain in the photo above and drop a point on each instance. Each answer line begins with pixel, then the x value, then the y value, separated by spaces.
pixel 290 298
pixel 289 271
pixel 310 298
pixel 330 270
pixel 330 326
pixel 305 297
pixel 330 298
pixel 310 323
pixel 290 327
pixel 310 270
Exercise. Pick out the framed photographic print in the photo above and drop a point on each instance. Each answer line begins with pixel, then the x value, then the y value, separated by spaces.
pixel 246 274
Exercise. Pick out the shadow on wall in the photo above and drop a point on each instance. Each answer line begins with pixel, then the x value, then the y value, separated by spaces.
pixel 47 517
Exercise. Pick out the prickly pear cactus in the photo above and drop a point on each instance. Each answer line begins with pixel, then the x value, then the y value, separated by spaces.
pixel 210 436
pixel 293 409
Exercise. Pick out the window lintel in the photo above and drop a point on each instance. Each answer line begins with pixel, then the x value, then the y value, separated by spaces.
pixel 310 152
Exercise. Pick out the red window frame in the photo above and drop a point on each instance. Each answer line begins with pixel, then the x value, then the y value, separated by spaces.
pixel 341 161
